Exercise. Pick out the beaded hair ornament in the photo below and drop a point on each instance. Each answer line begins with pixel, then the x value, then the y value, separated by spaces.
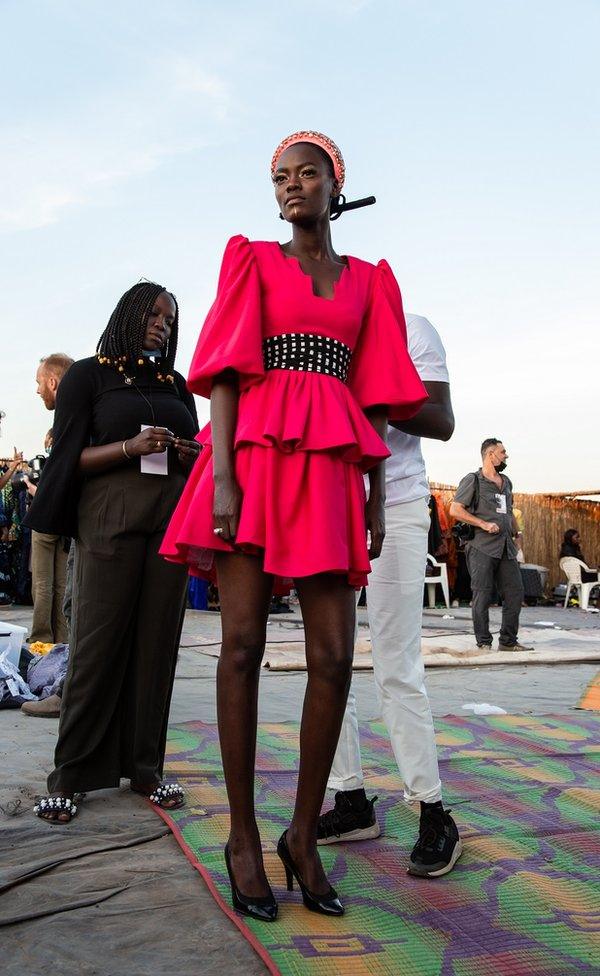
pixel 317 139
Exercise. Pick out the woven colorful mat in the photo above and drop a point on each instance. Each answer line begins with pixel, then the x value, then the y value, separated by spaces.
pixel 524 900
pixel 590 700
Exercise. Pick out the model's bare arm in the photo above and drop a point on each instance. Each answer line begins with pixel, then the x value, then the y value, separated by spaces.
pixel 223 418
pixel 375 507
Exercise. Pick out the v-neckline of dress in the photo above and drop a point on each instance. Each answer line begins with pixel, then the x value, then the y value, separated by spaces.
pixel 310 279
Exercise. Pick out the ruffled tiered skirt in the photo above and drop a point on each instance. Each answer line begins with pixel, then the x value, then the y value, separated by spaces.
pixel 301 447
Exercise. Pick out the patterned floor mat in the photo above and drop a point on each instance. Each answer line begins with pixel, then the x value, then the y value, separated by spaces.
pixel 523 900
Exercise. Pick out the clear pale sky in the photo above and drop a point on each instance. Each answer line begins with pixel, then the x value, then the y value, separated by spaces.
pixel 136 139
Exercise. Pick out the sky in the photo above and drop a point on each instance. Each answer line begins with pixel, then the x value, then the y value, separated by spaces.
pixel 136 139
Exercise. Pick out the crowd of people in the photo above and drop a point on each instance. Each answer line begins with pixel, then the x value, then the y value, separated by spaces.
pixel 15 538
pixel 310 473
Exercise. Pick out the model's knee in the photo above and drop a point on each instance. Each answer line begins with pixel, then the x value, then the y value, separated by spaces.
pixel 334 667
pixel 243 651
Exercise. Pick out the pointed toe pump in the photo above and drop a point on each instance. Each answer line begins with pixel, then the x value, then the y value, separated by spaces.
pixel 264 909
pixel 327 904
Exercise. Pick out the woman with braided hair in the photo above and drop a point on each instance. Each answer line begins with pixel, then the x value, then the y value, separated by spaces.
pixel 123 447
pixel 303 356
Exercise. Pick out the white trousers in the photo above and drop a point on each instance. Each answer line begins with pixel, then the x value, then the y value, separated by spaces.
pixel 395 609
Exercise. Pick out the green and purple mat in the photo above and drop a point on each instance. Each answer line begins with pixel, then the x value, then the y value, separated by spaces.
pixel 524 899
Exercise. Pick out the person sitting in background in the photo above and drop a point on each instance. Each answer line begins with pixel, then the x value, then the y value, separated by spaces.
pixel 571 547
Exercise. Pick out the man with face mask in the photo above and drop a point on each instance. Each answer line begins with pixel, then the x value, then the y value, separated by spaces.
pixel 484 500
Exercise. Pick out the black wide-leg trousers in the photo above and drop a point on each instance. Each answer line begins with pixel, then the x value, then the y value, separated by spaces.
pixel 128 607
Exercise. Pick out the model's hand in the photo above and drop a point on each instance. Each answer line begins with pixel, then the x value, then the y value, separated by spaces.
pixel 187 451
pixel 375 522
pixel 226 507
pixel 490 527
pixel 16 460
pixel 153 440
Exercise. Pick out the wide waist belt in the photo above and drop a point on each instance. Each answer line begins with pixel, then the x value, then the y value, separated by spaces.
pixel 308 353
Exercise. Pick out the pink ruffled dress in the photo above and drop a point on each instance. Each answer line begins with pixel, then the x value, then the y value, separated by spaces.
pixel 302 441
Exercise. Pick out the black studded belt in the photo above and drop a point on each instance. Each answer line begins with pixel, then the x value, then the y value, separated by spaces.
pixel 308 353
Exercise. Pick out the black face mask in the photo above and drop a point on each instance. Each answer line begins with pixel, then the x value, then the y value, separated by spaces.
pixel 499 468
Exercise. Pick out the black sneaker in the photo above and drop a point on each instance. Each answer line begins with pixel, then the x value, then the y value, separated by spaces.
pixel 438 847
pixel 348 822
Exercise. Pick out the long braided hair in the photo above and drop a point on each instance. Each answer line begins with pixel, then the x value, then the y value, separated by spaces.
pixel 122 340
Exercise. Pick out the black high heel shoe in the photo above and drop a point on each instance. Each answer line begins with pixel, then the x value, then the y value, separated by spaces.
pixel 327 904
pixel 264 908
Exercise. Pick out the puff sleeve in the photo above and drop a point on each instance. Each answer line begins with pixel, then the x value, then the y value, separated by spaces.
pixel 231 337
pixel 381 370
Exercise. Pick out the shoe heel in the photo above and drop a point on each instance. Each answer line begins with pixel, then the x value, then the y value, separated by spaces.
pixel 263 908
pixel 328 904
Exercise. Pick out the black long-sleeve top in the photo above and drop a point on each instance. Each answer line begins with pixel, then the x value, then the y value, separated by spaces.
pixel 568 549
pixel 95 406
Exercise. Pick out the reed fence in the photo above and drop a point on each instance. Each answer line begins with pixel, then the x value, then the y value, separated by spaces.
pixel 546 517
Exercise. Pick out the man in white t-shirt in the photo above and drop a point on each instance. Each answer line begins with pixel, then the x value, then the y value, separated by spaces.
pixel 395 607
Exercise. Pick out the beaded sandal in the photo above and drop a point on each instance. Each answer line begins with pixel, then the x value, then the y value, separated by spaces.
pixel 55 804
pixel 165 792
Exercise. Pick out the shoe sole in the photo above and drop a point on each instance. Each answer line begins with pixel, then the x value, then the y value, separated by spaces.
pixel 41 714
pixel 515 650
pixel 361 833
pixel 420 872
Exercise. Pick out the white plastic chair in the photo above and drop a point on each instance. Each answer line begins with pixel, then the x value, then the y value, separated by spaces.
pixel 440 578
pixel 572 568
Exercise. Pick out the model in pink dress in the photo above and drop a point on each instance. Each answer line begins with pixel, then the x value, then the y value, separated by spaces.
pixel 303 356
